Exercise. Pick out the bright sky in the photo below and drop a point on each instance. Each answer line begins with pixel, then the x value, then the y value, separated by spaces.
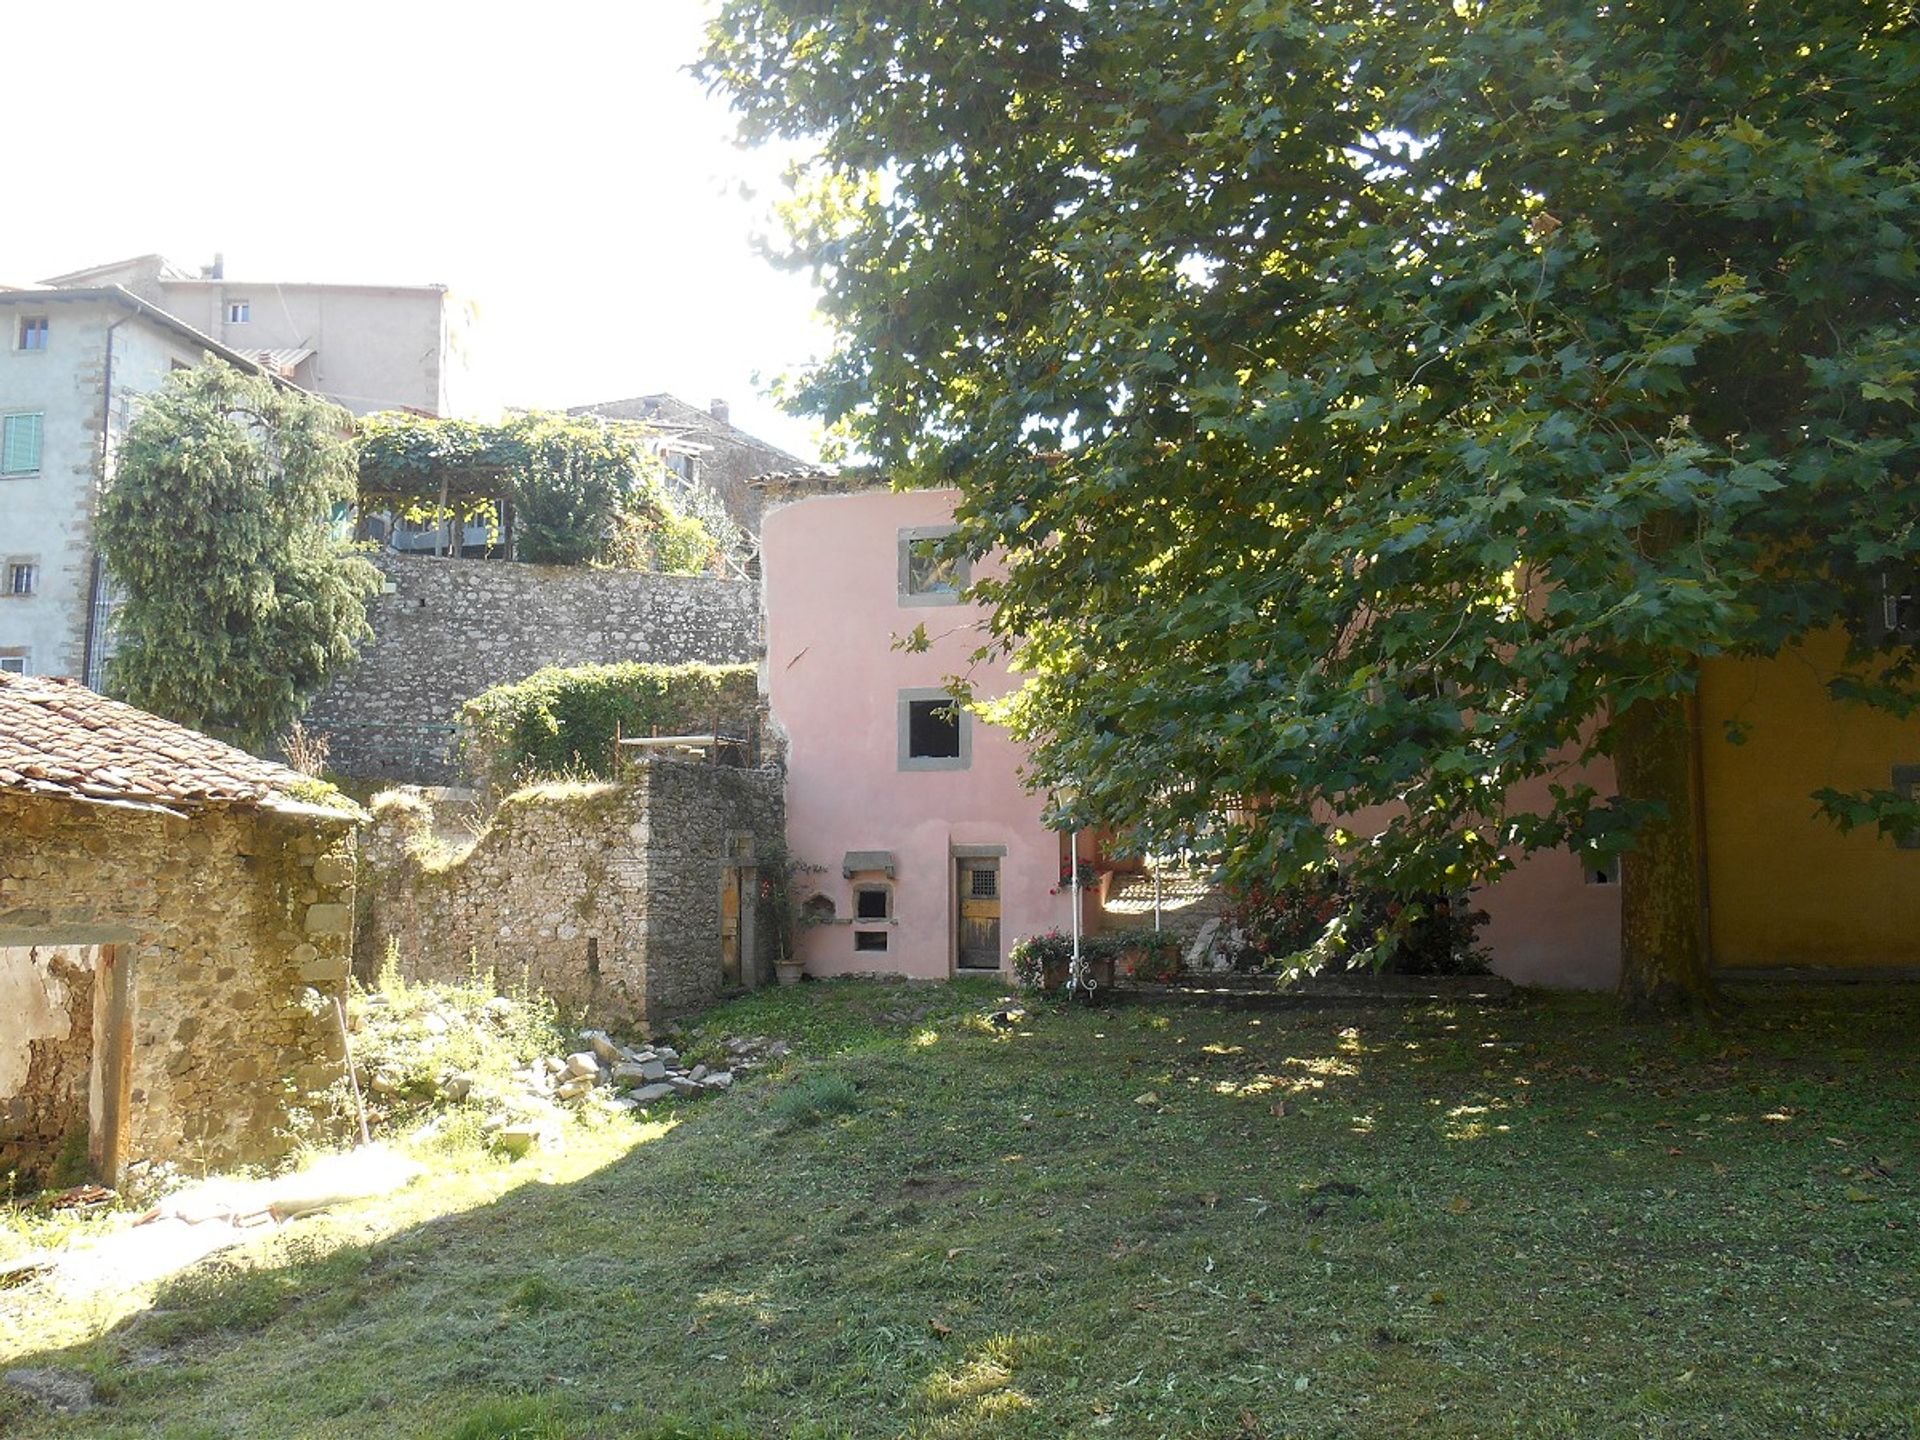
pixel 552 162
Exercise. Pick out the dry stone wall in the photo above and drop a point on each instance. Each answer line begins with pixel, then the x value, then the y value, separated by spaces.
pixel 233 927
pixel 606 897
pixel 448 629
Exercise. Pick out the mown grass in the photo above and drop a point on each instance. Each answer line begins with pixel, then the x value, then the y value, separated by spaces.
pixel 1526 1221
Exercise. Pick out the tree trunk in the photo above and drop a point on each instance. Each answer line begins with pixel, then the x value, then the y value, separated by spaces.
pixel 1663 940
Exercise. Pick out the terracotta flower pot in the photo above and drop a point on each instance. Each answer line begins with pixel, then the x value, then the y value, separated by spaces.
pixel 788 972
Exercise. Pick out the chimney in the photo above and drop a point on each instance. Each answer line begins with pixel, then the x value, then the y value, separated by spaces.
pixel 720 410
pixel 217 270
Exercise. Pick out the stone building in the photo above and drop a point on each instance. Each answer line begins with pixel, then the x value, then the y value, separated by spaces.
pixel 628 902
pixel 175 921
pixel 708 448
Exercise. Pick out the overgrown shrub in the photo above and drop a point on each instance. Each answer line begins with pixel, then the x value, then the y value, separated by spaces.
pixel 811 1101
pixel 562 720
pixel 1327 923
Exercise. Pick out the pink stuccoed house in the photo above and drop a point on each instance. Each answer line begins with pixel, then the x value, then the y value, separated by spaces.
pixel 933 858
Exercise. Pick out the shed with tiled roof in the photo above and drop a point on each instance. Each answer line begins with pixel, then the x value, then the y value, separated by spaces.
pixel 175 916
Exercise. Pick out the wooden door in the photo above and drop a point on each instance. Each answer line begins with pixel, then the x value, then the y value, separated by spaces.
pixel 979 947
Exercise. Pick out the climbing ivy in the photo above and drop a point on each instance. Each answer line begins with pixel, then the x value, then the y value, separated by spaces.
pixel 240 600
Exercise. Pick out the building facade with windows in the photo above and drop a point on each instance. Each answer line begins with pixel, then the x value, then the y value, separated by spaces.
pixel 932 858
pixel 73 364
pixel 365 347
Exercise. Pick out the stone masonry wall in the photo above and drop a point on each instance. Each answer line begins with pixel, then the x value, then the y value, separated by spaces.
pixel 451 628
pixel 605 897
pixel 235 928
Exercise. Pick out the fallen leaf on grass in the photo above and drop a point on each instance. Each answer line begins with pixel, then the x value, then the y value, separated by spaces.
pixel 1279 1108
pixel 1459 1205
pixel 940 1328
pixel 1150 1097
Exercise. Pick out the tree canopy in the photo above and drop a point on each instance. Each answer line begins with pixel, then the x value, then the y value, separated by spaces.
pixel 1379 405
pixel 218 529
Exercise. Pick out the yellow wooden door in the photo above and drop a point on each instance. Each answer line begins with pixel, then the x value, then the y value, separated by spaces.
pixel 979 947
pixel 730 927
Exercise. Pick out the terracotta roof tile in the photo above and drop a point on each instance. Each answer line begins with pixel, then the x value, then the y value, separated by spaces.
pixel 59 738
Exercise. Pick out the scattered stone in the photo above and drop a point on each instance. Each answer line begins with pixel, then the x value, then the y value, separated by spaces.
pixel 499 1008
pixel 603 1046
pixel 683 1086
pixel 647 1094
pixel 628 1073
pixel 626 1104
pixel 653 1070
pixel 583 1062
pixel 435 1022
pixel 65 1392
pixel 457 1087
pixel 555 1065
pixel 699 1072
pixel 519 1139
pixel 779 1050
pixel 575 1088
pixel 387 1083
pixel 666 1053
pixel 719 1080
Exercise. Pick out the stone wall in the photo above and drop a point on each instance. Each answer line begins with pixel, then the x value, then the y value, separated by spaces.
pixel 46 1057
pixel 450 628
pixel 606 897
pixel 229 931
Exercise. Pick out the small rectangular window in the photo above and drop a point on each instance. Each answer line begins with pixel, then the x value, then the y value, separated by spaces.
pixel 1601 869
pixel 23 576
pixel 871 902
pixel 927 575
pixel 33 332
pixel 869 940
pixel 239 312
pixel 20 444
pixel 933 730
pixel 986 883
pixel 14 664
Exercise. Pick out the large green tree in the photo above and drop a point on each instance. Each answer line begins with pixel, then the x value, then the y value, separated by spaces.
pixel 1381 405
pixel 218 530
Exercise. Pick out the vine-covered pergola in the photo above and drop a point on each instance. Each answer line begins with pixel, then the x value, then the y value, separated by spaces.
pixel 541 480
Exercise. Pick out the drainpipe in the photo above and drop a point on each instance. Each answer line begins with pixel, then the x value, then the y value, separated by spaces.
pixel 95 570
pixel 1076 968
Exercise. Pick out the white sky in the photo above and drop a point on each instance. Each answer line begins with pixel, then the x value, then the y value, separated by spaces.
pixel 552 162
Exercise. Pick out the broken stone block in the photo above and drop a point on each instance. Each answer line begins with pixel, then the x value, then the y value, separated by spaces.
pixel 699 1072
pixel 628 1073
pixel 575 1088
pixel 719 1080
pixel 654 1069
pixel 683 1086
pixel 583 1062
pixel 457 1087
pixel 603 1046
pixel 519 1139
pixel 667 1053
pixel 647 1094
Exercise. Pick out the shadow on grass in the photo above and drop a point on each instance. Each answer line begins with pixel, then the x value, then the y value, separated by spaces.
pixel 1189 1222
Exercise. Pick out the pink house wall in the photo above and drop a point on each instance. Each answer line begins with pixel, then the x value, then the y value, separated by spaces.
pixel 833 678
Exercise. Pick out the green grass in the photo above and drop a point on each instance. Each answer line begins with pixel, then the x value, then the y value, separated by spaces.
pixel 1531 1221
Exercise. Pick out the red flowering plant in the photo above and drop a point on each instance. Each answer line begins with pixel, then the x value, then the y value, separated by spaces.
pixel 1324 922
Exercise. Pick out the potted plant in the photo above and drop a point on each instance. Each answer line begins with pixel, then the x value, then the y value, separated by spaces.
pixel 784 909
pixel 1040 962
pixel 1151 957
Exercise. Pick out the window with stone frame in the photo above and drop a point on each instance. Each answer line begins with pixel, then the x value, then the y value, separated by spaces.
pixel 928 575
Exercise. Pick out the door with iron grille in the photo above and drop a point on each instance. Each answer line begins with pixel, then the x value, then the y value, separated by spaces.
pixel 979 947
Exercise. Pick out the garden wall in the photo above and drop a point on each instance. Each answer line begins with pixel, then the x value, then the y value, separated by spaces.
pixel 449 629
pixel 607 897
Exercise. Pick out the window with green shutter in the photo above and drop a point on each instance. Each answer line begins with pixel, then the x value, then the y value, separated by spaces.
pixel 20 445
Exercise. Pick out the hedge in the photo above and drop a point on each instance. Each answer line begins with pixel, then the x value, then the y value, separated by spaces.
pixel 562 720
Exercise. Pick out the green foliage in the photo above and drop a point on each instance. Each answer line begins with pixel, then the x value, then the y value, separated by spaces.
pixel 1373 406
pixel 584 489
pixel 218 530
pixel 563 719
pixel 1323 920
pixel 809 1102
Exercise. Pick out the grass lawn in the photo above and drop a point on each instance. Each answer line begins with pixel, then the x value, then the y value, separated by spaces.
pixel 1140 1222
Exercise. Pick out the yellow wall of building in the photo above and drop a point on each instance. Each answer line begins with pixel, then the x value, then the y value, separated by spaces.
pixel 1785 886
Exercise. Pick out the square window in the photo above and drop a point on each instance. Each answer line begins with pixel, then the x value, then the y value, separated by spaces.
pixel 927 576
pixel 869 940
pixel 986 883
pixel 33 332
pixel 1601 869
pixel 872 902
pixel 932 732
pixel 20 444
pixel 239 312
pixel 23 577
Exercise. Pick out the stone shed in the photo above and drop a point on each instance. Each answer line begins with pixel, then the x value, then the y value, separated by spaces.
pixel 175 920
pixel 628 902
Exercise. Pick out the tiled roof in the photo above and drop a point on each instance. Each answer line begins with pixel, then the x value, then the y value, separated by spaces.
pixel 59 738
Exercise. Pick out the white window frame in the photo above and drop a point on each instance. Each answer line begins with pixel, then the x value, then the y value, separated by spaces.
pixel 239 312
pixel 7 422
pixel 16 565
pixel 18 664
